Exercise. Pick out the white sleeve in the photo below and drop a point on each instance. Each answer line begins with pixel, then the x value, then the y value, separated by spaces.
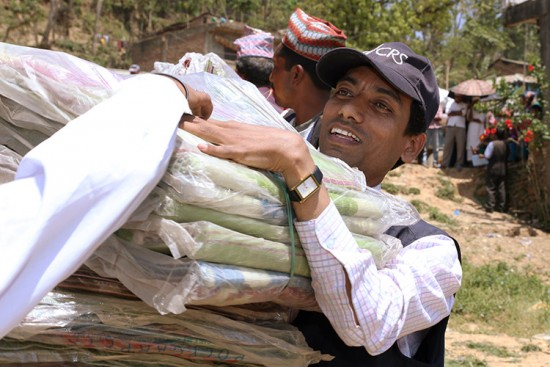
pixel 76 188
pixel 488 153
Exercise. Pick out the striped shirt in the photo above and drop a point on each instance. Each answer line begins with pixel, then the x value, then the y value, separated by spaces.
pixel 411 293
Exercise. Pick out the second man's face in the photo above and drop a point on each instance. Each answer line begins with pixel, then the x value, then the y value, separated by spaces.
pixel 364 123
pixel 280 79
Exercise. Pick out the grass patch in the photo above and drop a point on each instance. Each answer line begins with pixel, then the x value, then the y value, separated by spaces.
pixel 466 362
pixel 489 348
pixel 531 348
pixel 497 296
pixel 433 213
pixel 391 188
pixel 447 191
pixel 394 189
pixel 411 191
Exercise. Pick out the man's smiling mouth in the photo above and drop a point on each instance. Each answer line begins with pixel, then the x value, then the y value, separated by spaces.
pixel 347 134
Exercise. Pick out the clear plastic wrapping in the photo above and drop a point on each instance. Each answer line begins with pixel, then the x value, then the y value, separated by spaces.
pixel 100 330
pixel 213 183
pixel 9 161
pixel 204 240
pixel 169 285
pixel 86 280
pixel 54 85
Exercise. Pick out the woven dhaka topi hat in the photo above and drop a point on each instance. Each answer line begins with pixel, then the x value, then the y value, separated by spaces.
pixel 312 37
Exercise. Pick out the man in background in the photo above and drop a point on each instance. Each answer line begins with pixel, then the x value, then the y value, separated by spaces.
pixel 255 61
pixel 455 132
pixel 434 139
pixel 497 154
pixel 295 82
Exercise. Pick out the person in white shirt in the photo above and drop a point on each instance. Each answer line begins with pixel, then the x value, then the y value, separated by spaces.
pixel 476 127
pixel 455 132
pixel 383 101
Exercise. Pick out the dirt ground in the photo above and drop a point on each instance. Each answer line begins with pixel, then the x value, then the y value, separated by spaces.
pixel 484 238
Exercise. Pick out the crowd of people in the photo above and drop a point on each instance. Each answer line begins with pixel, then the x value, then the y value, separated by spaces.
pixel 461 131
pixel 464 132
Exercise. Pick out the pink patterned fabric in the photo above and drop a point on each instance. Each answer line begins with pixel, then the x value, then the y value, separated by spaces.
pixel 255 43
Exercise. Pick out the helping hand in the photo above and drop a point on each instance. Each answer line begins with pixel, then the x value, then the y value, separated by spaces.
pixel 200 103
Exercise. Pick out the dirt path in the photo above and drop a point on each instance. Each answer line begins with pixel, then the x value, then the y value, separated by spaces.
pixel 457 349
pixel 484 238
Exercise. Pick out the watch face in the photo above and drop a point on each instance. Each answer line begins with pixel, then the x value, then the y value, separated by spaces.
pixel 307 187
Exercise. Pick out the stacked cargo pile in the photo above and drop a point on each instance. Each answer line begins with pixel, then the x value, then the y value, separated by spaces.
pixel 209 268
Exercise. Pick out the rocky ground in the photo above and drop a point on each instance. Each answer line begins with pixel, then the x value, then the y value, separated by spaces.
pixel 484 238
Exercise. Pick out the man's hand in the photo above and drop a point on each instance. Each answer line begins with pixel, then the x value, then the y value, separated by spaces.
pixel 200 103
pixel 261 147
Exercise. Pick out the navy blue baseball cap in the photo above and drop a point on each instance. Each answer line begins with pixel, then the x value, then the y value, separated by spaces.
pixel 408 72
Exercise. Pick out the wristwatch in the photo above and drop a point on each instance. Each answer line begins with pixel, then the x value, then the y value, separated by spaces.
pixel 307 187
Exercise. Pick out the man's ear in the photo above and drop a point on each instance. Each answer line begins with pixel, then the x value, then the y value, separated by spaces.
pixel 297 73
pixel 413 147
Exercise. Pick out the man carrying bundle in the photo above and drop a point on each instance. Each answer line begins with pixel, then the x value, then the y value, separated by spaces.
pixel 383 102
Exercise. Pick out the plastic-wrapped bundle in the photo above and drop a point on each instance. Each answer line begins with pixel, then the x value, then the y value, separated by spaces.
pixel 225 186
pixel 54 85
pixel 9 161
pixel 169 285
pixel 104 331
pixel 84 279
pixel 204 240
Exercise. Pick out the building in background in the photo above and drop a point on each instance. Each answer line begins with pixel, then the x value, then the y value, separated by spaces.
pixel 203 34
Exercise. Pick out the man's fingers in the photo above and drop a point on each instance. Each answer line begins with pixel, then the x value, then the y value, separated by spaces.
pixel 204 129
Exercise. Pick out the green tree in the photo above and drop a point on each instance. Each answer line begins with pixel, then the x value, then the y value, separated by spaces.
pixel 21 16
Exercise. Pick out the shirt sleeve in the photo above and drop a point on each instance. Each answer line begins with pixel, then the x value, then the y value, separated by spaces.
pixel 76 188
pixel 488 153
pixel 412 292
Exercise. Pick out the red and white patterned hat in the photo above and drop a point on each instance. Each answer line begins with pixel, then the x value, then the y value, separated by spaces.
pixel 312 37
pixel 255 43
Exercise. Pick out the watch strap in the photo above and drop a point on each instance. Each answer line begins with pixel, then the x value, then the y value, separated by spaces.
pixel 316 176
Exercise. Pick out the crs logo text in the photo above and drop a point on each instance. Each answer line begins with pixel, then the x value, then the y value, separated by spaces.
pixel 397 56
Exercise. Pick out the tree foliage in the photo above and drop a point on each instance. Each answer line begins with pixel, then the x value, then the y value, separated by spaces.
pixel 461 37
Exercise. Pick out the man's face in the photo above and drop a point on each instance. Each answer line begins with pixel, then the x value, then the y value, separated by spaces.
pixel 364 124
pixel 280 78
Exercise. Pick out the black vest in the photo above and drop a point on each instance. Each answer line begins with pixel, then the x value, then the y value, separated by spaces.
pixel 321 336
pixel 499 159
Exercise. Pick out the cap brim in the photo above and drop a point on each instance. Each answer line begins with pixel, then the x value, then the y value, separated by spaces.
pixel 336 63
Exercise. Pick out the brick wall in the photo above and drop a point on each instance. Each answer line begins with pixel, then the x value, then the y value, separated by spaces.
pixel 171 45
